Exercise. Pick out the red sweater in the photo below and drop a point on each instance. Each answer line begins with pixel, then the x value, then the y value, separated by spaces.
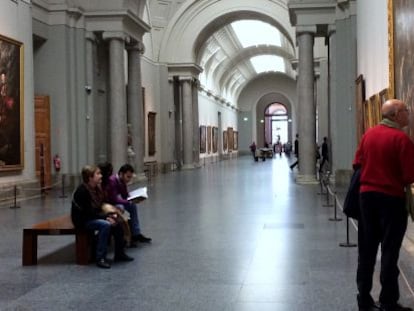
pixel 386 156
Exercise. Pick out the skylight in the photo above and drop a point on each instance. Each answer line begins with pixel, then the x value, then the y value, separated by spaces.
pixel 251 32
pixel 264 63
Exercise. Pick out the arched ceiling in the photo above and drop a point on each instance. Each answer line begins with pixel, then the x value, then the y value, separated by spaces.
pixel 201 32
pixel 228 65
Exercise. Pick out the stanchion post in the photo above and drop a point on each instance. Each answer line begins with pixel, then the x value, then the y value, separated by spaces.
pixel 321 185
pixel 327 197
pixel 347 243
pixel 63 187
pixel 15 198
pixel 335 218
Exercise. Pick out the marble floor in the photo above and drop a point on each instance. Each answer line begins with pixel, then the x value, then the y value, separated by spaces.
pixel 234 236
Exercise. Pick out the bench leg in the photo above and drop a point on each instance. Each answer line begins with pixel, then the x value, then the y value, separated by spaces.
pixel 29 252
pixel 82 248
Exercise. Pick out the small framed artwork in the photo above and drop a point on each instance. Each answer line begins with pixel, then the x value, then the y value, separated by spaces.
pixel 224 140
pixel 236 140
pixel 215 139
pixel 151 133
pixel 203 136
pixel 209 139
pixel 11 104
pixel 230 137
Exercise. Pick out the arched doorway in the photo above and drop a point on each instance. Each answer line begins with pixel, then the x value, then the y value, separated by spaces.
pixel 276 123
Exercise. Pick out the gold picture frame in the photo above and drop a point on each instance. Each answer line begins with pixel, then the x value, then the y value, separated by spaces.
pixel 11 104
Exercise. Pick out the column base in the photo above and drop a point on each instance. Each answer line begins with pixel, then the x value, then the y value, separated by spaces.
pixel 306 179
pixel 190 166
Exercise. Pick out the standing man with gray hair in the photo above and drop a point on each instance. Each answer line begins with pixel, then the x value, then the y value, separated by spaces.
pixel 385 174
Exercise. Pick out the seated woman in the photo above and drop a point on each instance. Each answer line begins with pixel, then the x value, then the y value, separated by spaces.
pixel 87 213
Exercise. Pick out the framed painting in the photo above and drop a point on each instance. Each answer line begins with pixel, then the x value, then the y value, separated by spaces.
pixel 359 105
pixel 203 136
pixel 374 103
pixel 236 140
pixel 215 139
pixel 401 53
pixel 383 96
pixel 208 139
pixel 230 137
pixel 367 114
pixel 224 140
pixel 151 133
pixel 11 104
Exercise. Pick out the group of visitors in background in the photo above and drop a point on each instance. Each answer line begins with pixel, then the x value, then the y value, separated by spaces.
pixel 100 205
pixel 278 148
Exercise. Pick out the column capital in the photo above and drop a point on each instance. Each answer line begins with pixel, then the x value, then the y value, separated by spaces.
pixel 90 36
pixel 331 30
pixel 311 29
pixel 115 35
pixel 136 46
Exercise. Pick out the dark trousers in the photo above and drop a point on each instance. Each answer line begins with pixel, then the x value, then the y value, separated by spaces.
pixel 383 220
pixel 324 159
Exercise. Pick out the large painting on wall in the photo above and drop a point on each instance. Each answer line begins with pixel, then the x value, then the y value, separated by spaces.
pixel 224 140
pixel 11 104
pixel 401 52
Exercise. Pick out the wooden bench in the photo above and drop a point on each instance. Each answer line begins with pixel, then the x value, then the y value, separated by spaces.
pixel 57 226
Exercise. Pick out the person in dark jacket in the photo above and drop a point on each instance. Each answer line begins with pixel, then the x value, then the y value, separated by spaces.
pixel 87 213
pixel 325 154
pixel 117 192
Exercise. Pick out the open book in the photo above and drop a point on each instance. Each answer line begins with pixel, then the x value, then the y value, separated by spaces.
pixel 138 195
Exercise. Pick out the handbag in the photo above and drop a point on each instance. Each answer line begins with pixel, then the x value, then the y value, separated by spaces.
pixel 351 203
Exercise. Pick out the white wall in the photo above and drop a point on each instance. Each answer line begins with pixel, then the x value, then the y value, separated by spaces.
pixel 372 38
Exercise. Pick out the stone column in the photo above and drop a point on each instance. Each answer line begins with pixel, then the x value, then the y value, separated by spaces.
pixel 196 131
pixel 333 135
pixel 306 105
pixel 135 105
pixel 187 126
pixel 117 106
pixel 90 92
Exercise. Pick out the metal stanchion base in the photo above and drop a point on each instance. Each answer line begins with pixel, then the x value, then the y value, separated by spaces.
pixel 63 196
pixel 327 205
pixel 335 219
pixel 347 244
pixel 14 206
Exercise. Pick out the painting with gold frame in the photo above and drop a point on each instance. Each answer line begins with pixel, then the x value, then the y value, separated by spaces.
pixel 401 53
pixel 11 104
pixel 367 115
pixel 374 103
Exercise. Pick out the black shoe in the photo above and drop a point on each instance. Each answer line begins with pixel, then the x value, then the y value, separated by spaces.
pixel 122 257
pixel 395 307
pixel 373 307
pixel 133 244
pixel 103 263
pixel 141 238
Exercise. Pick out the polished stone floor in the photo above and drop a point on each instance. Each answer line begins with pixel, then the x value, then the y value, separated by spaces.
pixel 234 236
